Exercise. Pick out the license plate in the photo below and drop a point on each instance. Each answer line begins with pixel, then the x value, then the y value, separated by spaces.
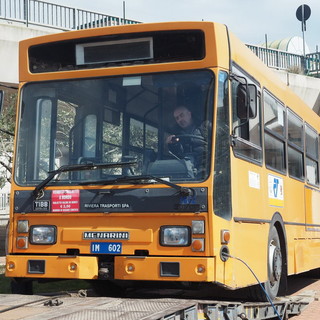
pixel 106 247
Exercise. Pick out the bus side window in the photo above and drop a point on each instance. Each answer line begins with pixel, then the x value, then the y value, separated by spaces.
pixel 295 146
pixel 274 137
pixel 312 160
pixel 246 124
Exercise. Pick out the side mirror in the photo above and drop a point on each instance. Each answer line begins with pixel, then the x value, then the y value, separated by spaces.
pixel 246 101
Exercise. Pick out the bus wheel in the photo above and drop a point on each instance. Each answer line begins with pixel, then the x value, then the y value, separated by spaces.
pixel 21 286
pixel 275 264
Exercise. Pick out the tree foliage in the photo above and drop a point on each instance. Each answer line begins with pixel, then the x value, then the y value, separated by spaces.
pixel 7 126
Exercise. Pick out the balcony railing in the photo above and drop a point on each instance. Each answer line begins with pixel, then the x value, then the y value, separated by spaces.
pixel 35 12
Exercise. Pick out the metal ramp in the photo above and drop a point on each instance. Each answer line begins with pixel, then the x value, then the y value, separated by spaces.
pixel 80 307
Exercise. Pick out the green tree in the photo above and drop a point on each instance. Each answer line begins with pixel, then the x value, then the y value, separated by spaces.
pixel 7 125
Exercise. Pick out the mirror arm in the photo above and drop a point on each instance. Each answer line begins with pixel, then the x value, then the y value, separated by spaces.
pixel 243 81
pixel 239 126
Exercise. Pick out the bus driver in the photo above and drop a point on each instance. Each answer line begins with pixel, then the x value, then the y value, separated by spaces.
pixel 190 140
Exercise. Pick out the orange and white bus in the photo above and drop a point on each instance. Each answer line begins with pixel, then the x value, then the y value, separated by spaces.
pixel 98 193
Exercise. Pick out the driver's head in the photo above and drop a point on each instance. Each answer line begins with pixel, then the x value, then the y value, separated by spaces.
pixel 183 116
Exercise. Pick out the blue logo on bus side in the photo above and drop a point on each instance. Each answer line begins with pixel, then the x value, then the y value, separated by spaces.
pixel 275 187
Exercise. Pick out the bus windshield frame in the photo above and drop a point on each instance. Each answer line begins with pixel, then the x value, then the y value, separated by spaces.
pixel 112 120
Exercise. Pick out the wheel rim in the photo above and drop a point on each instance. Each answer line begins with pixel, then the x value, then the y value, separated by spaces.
pixel 275 262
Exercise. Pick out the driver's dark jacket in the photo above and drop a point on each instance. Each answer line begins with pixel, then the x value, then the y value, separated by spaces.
pixel 191 147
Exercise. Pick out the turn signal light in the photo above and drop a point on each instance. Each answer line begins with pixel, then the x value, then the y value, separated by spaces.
pixel 197 244
pixel 225 236
pixel 22 242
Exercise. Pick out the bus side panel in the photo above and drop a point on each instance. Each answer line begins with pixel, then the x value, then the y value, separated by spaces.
pixel 294 222
pixel 249 190
pixel 311 245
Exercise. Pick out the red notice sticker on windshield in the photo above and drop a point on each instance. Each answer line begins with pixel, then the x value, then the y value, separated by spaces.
pixel 65 200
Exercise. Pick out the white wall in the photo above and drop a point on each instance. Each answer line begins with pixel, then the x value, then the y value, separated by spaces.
pixel 10 35
pixel 307 88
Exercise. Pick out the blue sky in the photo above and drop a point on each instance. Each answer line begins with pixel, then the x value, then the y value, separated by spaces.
pixel 250 20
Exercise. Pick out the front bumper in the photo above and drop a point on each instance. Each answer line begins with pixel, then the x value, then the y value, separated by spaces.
pixel 125 268
pixel 60 267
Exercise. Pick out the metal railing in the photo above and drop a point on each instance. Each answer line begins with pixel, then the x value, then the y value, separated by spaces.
pixel 313 64
pixel 35 12
pixel 282 60
pixel 278 59
pixel 4 201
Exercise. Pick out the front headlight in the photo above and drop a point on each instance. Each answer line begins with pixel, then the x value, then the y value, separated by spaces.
pixel 175 236
pixel 43 234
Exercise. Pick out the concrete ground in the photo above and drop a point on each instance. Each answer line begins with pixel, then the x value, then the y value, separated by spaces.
pixel 305 286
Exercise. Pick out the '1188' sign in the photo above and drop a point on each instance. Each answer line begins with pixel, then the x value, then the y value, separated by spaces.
pixel 41 205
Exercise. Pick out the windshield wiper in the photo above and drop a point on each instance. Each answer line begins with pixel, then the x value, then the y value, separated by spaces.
pixel 78 167
pixel 147 179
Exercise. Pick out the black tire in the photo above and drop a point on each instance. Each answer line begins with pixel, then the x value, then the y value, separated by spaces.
pixel 276 266
pixel 315 273
pixel 21 286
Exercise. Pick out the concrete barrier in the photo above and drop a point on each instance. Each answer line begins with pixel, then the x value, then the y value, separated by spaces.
pixel 307 88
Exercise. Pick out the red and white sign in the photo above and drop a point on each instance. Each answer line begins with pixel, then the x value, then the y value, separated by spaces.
pixel 65 200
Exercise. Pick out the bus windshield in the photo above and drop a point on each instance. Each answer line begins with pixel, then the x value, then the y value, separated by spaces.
pixel 162 123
